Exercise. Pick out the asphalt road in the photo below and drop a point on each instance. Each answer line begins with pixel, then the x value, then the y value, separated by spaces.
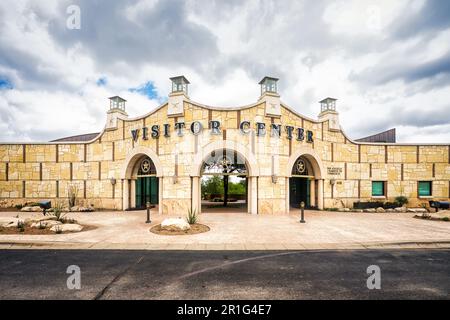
pixel 405 274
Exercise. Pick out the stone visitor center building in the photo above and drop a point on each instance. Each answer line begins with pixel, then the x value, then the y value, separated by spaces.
pixel 284 157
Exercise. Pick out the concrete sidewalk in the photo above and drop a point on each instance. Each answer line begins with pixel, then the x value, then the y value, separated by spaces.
pixel 240 231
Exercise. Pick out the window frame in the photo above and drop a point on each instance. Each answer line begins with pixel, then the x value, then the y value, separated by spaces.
pixel 431 189
pixel 384 189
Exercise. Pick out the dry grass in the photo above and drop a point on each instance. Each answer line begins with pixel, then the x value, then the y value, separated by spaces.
pixel 195 229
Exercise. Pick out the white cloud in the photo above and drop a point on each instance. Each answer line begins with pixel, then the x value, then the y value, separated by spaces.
pixel 345 49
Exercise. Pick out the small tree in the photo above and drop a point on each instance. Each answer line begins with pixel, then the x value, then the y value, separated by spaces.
pixel 401 200
pixel 72 192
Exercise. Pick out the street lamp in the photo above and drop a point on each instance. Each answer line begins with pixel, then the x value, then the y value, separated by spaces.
pixel 302 208
pixel 148 213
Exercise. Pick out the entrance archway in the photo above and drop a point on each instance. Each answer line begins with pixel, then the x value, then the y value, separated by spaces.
pixel 224 182
pixel 304 180
pixel 300 184
pixel 141 179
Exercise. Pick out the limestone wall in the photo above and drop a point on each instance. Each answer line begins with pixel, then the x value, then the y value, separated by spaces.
pixel 45 171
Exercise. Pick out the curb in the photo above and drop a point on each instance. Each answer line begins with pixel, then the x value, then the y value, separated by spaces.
pixel 61 245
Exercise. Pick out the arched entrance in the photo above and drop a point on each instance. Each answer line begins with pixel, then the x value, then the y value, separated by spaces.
pixel 146 183
pixel 251 165
pixel 301 186
pixel 304 180
pixel 224 182
pixel 142 179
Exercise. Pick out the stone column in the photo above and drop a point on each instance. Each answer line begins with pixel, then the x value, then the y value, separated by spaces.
pixel 312 192
pixel 133 193
pixel 253 195
pixel 288 205
pixel 320 194
pixel 160 195
pixel 196 194
pixel 125 194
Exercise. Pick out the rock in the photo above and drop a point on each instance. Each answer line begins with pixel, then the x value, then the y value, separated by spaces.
pixel 69 227
pixel 390 210
pixel 8 222
pixel 358 210
pixel 31 209
pixel 45 224
pixel 344 210
pixel 42 218
pixel 85 209
pixel 380 210
pixel 14 224
pixel 417 210
pixel 75 209
pixel 400 209
pixel 370 210
pixel 175 224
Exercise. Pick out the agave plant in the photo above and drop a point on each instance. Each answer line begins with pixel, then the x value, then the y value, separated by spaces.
pixel 192 216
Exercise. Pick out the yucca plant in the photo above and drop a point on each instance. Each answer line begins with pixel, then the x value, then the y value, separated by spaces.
pixel 58 211
pixel 192 216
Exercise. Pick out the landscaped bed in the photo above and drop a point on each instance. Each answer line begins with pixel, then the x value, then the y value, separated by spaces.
pixel 28 230
pixel 195 229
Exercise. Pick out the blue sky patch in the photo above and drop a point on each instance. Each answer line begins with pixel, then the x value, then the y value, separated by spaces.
pixel 102 81
pixel 148 89
pixel 5 84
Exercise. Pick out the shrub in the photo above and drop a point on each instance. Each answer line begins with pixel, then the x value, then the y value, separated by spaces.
pixel 41 226
pixel 446 219
pixel 58 230
pixel 58 211
pixel 18 206
pixel 367 205
pixel 72 192
pixel 332 209
pixel 401 200
pixel 192 216
pixel 21 226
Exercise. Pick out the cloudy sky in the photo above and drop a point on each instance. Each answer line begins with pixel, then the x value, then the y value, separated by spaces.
pixel 388 62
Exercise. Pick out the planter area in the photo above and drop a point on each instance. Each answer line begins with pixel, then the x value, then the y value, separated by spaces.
pixel 43 225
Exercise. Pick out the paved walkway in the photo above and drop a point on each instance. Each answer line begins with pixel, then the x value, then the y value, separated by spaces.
pixel 240 231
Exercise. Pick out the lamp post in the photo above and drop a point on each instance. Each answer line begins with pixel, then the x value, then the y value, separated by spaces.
pixel 302 208
pixel 148 213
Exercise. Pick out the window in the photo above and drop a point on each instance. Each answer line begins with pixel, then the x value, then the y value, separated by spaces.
pixel 424 188
pixel 378 189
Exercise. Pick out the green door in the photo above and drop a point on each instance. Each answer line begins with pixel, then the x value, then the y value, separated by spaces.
pixel 146 191
pixel 299 190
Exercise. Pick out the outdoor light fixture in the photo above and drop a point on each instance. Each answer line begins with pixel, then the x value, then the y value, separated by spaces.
pixel 332 182
pixel 174 179
pixel 302 209
pixel 274 178
pixel 113 181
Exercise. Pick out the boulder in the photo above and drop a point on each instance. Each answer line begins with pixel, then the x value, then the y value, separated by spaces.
pixel 41 218
pixel 8 222
pixel 69 227
pixel 400 209
pixel 32 209
pixel 417 210
pixel 175 224
pixel 75 209
pixel 85 209
pixel 45 224
pixel 358 210
pixel 370 210
pixel 390 210
pixel 380 210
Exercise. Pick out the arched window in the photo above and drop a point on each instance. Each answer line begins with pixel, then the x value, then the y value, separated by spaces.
pixel 146 167
pixel 300 167
pixel 225 163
